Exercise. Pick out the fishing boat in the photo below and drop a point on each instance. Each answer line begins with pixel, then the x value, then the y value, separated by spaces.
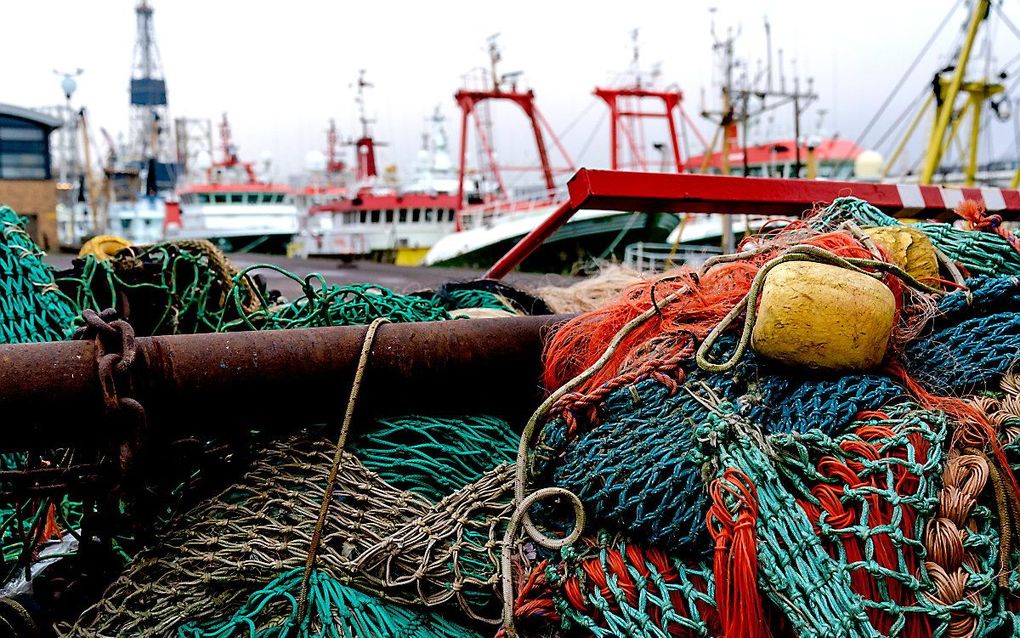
pixel 377 220
pixel 234 207
pixel 500 217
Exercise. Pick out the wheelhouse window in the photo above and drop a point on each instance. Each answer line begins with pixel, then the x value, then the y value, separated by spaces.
pixel 203 198
pixel 236 198
pixel 363 217
pixel 416 215
pixel 375 216
pixel 253 198
pixel 403 215
pixel 219 198
pixel 428 214
pixel 389 216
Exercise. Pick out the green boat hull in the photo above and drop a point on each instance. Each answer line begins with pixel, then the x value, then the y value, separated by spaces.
pixel 577 242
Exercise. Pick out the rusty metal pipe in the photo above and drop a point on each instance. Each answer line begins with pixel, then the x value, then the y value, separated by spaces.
pixel 214 383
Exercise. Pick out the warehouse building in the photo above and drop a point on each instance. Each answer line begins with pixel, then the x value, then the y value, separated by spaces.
pixel 26 180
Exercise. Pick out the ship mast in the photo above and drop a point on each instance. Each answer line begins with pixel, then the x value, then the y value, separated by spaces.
pixel 625 106
pixel 737 94
pixel 334 165
pixel 149 141
pixel 229 151
pixel 364 145
pixel 504 88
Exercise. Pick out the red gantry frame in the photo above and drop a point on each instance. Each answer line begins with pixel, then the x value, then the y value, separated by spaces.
pixel 666 192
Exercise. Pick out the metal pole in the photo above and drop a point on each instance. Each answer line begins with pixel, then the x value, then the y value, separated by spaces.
pixel 974 101
pixel 796 128
pixel 466 106
pixel 51 396
pixel 943 114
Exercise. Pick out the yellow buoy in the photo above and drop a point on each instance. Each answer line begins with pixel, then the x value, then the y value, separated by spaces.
pixel 104 246
pixel 908 248
pixel 823 316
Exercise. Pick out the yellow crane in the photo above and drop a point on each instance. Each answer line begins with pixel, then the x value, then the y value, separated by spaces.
pixel 948 114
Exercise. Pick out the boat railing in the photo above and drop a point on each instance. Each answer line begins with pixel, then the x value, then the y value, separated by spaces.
pixel 652 257
pixel 490 213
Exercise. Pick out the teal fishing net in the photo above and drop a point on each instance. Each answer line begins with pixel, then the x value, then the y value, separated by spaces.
pixel 32 308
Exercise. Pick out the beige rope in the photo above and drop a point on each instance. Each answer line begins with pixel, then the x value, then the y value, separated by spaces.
pixel 341 442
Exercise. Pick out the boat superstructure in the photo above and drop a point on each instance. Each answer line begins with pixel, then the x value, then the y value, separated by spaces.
pixel 377 220
pixel 234 206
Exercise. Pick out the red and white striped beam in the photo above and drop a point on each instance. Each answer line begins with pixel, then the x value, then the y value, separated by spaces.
pixel 681 193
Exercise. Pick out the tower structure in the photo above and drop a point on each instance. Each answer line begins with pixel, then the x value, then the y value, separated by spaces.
pixel 150 124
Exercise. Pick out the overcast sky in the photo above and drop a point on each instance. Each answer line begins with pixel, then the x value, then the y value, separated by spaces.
pixel 282 69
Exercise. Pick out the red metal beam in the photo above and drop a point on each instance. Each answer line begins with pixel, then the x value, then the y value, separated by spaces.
pixel 727 195
pixel 531 241
pixel 665 192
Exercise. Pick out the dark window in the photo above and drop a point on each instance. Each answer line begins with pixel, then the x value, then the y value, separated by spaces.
pixel 451 214
pixel 24 150
pixel 237 198
pixel 280 197
pixel 416 215
pixel 220 198
pixel 375 217
pixel 253 198
pixel 389 216
pixel 403 215
pixel 203 198
pixel 364 216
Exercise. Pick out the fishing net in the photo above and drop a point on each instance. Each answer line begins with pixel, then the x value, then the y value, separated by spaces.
pixel 169 288
pixel 984 249
pixel 394 544
pixel 31 307
pixel 190 286
pixel 844 526
pixel 737 494
pixel 730 495
pixel 336 611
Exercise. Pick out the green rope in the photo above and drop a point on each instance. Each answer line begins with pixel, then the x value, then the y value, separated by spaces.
pixel 476 298
pixel 166 289
pixel 325 304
